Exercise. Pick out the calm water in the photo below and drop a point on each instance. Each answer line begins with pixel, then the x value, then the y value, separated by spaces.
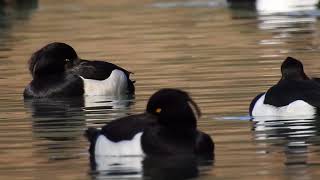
pixel 222 55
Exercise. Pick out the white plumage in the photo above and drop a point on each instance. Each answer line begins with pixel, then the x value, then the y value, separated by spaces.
pixel 116 84
pixel 105 147
pixel 294 109
pixel 280 6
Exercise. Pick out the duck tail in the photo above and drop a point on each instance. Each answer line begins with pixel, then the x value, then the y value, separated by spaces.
pixel 92 134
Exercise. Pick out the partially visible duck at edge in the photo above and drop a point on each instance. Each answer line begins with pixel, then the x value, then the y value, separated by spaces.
pixel 168 127
pixel 294 95
pixel 57 71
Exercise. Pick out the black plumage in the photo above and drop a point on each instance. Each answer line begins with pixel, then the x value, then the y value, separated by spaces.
pixel 168 126
pixel 56 70
pixel 294 85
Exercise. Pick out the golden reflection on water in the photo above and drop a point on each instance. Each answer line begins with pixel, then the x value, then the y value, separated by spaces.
pixel 220 57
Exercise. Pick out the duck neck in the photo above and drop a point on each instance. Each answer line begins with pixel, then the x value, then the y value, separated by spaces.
pixel 179 132
pixel 293 74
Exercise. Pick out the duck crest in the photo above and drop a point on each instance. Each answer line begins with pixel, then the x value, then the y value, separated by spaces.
pixel 54 58
pixel 174 109
pixel 292 69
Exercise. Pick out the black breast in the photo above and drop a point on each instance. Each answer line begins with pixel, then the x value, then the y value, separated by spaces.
pixel 158 140
pixel 56 85
pixel 204 145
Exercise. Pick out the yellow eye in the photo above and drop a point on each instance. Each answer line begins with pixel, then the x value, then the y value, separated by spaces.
pixel 67 60
pixel 158 110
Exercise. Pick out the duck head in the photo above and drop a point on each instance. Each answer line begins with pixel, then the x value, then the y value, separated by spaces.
pixel 292 69
pixel 174 109
pixel 51 59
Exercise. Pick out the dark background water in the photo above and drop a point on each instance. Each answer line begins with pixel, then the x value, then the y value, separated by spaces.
pixel 223 55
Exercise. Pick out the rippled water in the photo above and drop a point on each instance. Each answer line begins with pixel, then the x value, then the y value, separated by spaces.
pixel 222 54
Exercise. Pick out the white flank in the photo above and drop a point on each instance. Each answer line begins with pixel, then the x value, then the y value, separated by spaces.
pixel 115 84
pixel 296 108
pixel 105 147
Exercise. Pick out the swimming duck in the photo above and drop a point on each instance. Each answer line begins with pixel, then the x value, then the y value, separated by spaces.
pixel 294 95
pixel 168 127
pixel 57 71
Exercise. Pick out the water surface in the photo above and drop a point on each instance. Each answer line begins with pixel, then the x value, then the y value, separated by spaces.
pixel 223 55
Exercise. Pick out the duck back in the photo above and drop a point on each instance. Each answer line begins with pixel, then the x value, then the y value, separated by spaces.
pixel 288 91
pixel 101 70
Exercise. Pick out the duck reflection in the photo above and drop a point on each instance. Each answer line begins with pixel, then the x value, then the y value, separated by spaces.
pixel 287 21
pixel 57 118
pixel 52 116
pixel 116 166
pixel 293 134
pixel 275 14
pixel 242 4
pixel 13 13
pixel 58 123
pixel 174 167
pixel 153 167
pixel 18 8
pixel 107 102
pixel 264 7
pixel 99 109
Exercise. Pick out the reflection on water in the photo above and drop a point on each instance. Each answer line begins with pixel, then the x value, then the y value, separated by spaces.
pixel 10 16
pixel 112 166
pixel 286 19
pixel 177 167
pixel 99 108
pixel 57 119
pixel 172 167
pixel 190 4
pixel 59 123
pixel 21 10
pixel 222 52
pixel 274 6
pixel 294 135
